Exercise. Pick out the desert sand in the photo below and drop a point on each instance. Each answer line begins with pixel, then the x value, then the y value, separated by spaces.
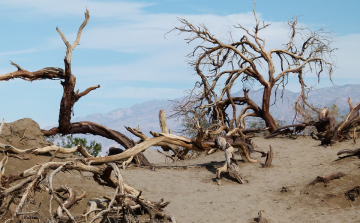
pixel 282 191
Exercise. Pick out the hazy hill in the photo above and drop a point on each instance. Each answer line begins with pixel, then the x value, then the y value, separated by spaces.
pixel 146 114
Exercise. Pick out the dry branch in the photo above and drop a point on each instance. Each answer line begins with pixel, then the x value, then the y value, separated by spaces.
pixel 227 63
pixel 33 182
pixel 127 153
pixel 2 167
pixel 350 152
pixel 2 126
pixel 47 149
pixel 244 152
pixel 326 179
pixel 230 166
pixel 269 157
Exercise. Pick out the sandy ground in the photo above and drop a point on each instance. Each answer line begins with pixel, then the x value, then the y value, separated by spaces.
pixel 196 197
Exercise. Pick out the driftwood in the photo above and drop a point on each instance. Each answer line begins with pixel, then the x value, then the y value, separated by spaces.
pixel 230 166
pixel 2 166
pixel 29 183
pixel 269 157
pixel 326 179
pixel 166 146
pixel 350 152
pixel 47 149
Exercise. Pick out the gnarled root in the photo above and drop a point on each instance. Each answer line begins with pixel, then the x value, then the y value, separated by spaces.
pixel 269 157
pixel 230 166
pixel 245 155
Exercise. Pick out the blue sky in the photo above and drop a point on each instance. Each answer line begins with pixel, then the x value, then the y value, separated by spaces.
pixel 124 50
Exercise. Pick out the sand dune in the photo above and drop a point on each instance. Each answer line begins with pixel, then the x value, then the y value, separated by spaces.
pixel 282 190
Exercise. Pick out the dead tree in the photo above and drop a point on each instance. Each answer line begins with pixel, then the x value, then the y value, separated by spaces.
pixel 330 131
pixel 70 97
pixel 219 63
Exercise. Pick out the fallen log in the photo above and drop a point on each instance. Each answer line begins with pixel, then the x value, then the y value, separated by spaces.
pixel 350 152
pixel 326 179
pixel 289 129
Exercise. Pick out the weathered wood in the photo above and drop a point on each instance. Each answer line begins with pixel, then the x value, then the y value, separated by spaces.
pixel 28 187
pixel 244 152
pixel 289 129
pixel 47 149
pixel 97 129
pixel 217 62
pixel 230 166
pixel 127 153
pixel 2 126
pixel 2 167
pixel 269 157
pixel 351 152
pixel 326 179
pixel 162 121
pixel 260 217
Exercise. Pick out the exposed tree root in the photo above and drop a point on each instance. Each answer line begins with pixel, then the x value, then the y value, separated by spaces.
pixel 350 152
pixel 230 166
pixel 121 206
pixel 269 157
pixel 326 179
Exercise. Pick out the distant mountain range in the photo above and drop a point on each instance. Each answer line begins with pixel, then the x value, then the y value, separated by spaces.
pixel 145 114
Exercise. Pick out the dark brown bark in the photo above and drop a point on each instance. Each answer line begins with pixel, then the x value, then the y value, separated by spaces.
pixel 289 129
pixel 326 179
pixel 97 129
pixel 265 111
pixel 349 152
pixel 67 101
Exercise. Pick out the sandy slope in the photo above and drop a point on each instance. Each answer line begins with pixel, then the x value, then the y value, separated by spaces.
pixel 196 197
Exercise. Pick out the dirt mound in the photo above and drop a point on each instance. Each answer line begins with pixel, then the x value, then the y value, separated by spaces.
pixel 23 134
pixel 19 170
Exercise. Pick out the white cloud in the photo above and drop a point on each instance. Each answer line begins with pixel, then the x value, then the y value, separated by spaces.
pixel 7 53
pixel 102 9
pixel 347 56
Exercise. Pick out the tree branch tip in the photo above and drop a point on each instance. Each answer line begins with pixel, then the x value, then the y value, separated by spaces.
pixel 16 65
